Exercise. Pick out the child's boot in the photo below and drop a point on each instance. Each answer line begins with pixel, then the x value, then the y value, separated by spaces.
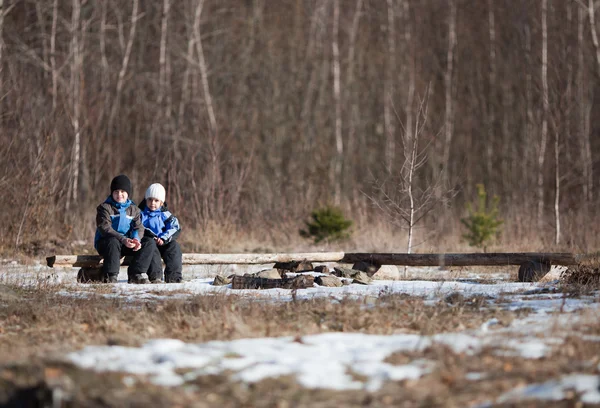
pixel 138 279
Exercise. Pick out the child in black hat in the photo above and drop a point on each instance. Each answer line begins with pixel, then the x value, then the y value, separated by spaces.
pixel 120 232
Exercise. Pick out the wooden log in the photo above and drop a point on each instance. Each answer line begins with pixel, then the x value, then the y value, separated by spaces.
pixel 467 259
pixel 253 282
pixel 481 259
pixel 91 261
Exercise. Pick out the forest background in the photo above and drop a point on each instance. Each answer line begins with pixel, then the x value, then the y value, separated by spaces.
pixel 253 113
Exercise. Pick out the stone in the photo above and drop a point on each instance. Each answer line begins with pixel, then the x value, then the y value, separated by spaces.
pixel 343 272
pixel 370 268
pixel 389 272
pixel 221 281
pixel 268 274
pixel 303 266
pixel 323 269
pixel 329 281
pixel 362 278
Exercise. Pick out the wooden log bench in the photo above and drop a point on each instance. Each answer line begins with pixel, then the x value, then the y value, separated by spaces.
pixel 532 265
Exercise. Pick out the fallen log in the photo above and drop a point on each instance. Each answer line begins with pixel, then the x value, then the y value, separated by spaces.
pixel 466 259
pixel 95 261
pixel 472 259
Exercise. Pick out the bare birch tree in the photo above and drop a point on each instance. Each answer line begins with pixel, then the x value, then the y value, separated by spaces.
pixel 53 54
pixel 339 141
pixel 214 145
pixel 492 94
pixel 76 73
pixel 388 93
pixel 545 108
pixel 584 113
pixel 448 77
pixel 125 64
pixel 401 200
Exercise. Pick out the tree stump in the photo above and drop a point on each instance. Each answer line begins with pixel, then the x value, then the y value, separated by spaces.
pixel 533 271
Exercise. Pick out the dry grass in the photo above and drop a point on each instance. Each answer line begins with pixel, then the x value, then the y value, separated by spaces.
pixel 37 325
pixel 37 321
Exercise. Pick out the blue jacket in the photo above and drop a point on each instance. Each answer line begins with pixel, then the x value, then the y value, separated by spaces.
pixel 161 224
pixel 118 220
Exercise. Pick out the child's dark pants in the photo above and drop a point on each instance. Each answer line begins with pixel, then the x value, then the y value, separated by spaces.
pixel 111 250
pixel 171 253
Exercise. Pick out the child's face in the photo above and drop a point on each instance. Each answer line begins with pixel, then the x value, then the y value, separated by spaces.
pixel 120 196
pixel 153 204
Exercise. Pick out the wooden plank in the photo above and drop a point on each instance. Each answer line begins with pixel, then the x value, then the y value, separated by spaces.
pixel 91 261
pixel 467 259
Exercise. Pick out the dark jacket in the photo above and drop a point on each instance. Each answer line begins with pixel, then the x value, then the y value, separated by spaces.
pixel 160 223
pixel 118 220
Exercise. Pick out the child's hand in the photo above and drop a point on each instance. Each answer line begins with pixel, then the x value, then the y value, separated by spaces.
pixel 159 241
pixel 129 243
pixel 136 244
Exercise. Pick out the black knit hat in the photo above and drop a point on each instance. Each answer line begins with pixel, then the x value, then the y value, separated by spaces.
pixel 121 182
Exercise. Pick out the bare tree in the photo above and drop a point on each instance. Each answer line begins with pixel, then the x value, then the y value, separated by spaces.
pixel 584 113
pixel 124 65
pixel 593 31
pixel 53 53
pixel 388 94
pixel 402 201
pixel 339 141
pixel 492 94
pixel 76 74
pixel 545 105
pixel 448 76
pixel 557 188
pixel 410 95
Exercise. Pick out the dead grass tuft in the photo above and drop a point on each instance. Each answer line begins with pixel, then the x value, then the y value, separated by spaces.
pixel 583 278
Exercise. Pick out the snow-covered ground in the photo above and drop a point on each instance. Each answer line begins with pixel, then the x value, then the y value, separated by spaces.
pixel 332 359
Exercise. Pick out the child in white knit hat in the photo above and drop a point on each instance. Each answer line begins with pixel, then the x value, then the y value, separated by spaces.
pixel 164 228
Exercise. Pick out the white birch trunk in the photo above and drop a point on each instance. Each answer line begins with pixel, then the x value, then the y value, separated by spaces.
pixel 76 63
pixel 388 94
pixel 492 96
pixel 557 188
pixel 545 108
pixel 53 54
pixel 339 142
pixel 584 113
pixel 410 96
pixel 448 76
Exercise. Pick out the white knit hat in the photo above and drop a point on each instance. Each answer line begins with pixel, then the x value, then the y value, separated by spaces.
pixel 157 191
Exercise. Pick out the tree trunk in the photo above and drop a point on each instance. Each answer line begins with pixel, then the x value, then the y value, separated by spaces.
pixel 388 93
pixel 448 77
pixel 339 141
pixel 584 114
pixel 491 142
pixel 545 105
pixel 76 73
pixel 124 66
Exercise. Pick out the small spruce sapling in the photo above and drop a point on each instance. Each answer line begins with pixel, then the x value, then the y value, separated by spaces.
pixel 327 224
pixel 482 223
